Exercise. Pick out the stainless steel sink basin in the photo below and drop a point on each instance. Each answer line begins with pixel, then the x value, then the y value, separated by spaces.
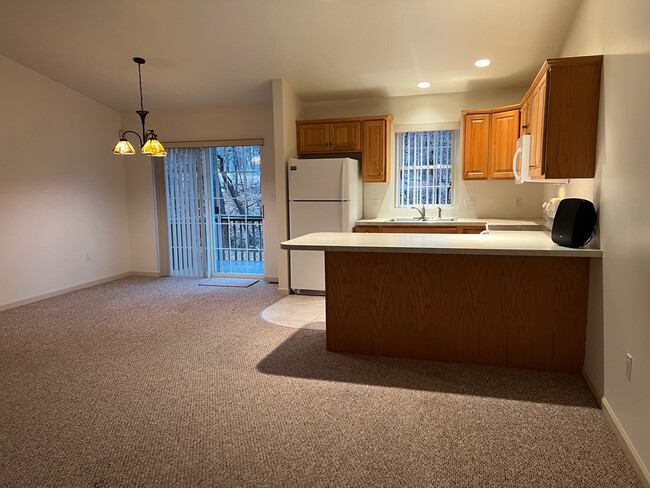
pixel 416 220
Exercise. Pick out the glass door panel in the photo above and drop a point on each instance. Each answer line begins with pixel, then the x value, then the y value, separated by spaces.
pixel 237 232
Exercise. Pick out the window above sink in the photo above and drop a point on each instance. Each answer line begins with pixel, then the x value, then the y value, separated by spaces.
pixel 425 159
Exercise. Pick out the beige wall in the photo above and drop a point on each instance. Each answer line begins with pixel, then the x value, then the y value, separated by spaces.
pixel 62 192
pixel 619 305
pixel 286 107
pixel 197 124
pixel 493 198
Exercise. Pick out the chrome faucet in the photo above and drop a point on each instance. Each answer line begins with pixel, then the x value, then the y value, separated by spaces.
pixel 439 213
pixel 422 211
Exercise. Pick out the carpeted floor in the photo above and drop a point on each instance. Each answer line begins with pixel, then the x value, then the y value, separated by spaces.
pixel 160 382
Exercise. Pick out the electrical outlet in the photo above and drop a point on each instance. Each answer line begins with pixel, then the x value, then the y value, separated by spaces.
pixel 470 203
pixel 87 256
pixel 375 203
pixel 518 203
pixel 628 367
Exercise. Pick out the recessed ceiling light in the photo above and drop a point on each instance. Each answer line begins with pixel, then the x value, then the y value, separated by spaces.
pixel 482 63
pixel 424 84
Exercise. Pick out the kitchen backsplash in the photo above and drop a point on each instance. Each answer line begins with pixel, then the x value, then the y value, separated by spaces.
pixel 472 199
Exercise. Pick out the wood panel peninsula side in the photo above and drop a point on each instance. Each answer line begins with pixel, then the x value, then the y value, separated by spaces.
pixel 490 300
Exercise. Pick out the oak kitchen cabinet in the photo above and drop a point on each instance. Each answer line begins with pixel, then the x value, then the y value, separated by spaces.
pixel 560 112
pixel 489 143
pixel 322 137
pixel 376 150
pixel 368 136
pixel 420 229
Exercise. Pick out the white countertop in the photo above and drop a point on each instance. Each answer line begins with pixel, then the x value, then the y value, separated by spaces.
pixel 511 243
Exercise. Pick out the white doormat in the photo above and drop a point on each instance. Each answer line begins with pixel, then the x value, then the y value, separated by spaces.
pixel 231 282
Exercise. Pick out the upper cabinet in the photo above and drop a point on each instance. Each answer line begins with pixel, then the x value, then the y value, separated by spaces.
pixel 476 146
pixel 368 136
pixel 489 143
pixel 560 112
pixel 329 137
pixel 376 148
pixel 504 132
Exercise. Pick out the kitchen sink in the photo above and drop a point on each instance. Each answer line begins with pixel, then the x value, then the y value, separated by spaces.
pixel 418 219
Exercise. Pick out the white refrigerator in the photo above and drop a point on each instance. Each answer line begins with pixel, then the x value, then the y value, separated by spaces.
pixel 325 195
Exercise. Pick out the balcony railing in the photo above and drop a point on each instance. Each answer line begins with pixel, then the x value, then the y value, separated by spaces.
pixel 238 244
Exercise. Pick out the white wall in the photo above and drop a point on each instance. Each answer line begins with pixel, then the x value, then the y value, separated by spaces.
pixel 286 107
pixel 619 305
pixel 493 198
pixel 62 192
pixel 197 124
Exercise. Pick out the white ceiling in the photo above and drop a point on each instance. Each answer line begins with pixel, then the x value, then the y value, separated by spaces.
pixel 223 52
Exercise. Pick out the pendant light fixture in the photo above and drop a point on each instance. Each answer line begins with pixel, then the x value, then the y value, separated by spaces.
pixel 149 140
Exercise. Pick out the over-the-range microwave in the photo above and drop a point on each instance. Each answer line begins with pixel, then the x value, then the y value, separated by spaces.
pixel 521 164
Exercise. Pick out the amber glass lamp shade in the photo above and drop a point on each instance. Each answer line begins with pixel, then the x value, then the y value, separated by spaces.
pixel 123 147
pixel 153 147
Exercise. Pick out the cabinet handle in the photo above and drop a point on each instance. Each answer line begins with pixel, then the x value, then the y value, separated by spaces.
pixel 524 126
pixel 466 172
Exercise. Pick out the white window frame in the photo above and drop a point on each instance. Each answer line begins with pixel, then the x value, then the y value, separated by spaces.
pixel 400 129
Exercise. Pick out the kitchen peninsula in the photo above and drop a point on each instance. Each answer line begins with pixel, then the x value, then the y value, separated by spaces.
pixel 505 299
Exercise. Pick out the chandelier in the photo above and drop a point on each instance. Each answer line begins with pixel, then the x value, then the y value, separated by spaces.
pixel 149 140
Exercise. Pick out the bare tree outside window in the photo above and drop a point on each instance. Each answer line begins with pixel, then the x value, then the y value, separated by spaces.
pixel 425 168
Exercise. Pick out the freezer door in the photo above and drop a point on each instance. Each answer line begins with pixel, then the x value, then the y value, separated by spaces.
pixel 308 271
pixel 320 179
pixel 308 267
pixel 308 217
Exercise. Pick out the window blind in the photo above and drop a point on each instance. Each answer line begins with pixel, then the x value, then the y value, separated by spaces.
pixel 185 194
pixel 425 167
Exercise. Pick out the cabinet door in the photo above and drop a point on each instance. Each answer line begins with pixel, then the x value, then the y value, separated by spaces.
pixel 418 229
pixel 504 131
pixel 476 147
pixel 525 118
pixel 314 138
pixel 471 230
pixel 367 229
pixel 375 151
pixel 345 136
pixel 537 124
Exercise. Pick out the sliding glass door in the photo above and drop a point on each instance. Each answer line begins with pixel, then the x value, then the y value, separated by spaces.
pixel 215 212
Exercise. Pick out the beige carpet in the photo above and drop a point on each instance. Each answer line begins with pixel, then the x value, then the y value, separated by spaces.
pixel 159 382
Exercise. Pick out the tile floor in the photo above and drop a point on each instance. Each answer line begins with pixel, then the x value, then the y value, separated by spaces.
pixel 297 311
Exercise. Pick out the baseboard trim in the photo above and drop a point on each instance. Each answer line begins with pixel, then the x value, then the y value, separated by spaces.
pixel 619 432
pixel 283 291
pixel 641 470
pixel 154 274
pixel 63 291
pixel 271 279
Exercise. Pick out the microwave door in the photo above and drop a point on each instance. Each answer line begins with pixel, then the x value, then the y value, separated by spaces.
pixel 521 160
pixel 516 168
